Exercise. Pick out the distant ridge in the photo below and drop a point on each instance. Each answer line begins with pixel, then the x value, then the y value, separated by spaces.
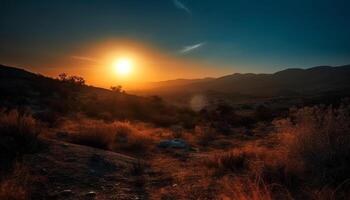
pixel 319 80
pixel 293 81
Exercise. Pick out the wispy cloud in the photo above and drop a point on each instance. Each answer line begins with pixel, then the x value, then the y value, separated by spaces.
pixel 181 6
pixel 190 48
pixel 84 58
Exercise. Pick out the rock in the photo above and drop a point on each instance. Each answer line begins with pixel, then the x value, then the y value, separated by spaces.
pixel 66 192
pixel 91 194
pixel 65 145
pixel 62 135
pixel 70 159
pixel 43 171
pixel 175 143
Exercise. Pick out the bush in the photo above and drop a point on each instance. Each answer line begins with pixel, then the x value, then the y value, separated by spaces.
pixel 204 135
pixel 247 189
pixel 230 162
pixel 18 135
pixel 117 136
pixel 317 139
pixel 16 186
pixel 129 140
pixel 93 133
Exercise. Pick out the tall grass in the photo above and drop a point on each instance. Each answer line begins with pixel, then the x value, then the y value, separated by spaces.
pixel 310 160
pixel 246 189
pixel 93 133
pixel 119 136
pixel 18 135
pixel 16 185
pixel 231 162
pixel 317 140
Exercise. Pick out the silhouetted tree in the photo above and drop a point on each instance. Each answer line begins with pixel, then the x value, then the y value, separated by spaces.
pixel 117 89
pixel 77 80
pixel 62 77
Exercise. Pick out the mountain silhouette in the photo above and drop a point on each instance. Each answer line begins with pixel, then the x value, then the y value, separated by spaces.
pixel 289 82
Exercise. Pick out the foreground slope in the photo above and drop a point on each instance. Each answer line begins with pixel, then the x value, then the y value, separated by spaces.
pixel 49 98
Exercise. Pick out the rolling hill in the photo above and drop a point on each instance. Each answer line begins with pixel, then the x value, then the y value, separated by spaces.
pixel 290 82
pixel 51 97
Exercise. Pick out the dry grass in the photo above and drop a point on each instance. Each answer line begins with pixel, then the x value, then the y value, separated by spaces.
pixel 18 135
pixel 317 141
pixel 245 189
pixel 310 160
pixel 16 186
pixel 128 139
pixel 231 162
pixel 204 135
pixel 119 136
pixel 94 133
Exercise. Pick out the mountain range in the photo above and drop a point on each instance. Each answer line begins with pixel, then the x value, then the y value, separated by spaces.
pixel 289 82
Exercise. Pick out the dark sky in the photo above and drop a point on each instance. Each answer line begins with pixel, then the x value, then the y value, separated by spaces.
pixel 252 36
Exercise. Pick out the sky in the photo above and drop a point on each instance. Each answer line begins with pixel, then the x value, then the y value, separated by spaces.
pixel 170 39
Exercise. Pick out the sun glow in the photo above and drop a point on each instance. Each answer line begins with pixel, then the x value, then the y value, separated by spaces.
pixel 123 66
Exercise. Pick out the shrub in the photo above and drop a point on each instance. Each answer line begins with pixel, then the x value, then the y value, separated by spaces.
pixel 18 135
pixel 229 162
pixel 93 133
pixel 317 139
pixel 138 168
pixel 129 140
pixel 246 189
pixel 117 136
pixel 204 134
pixel 18 185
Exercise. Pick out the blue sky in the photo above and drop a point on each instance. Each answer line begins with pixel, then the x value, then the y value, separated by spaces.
pixel 252 36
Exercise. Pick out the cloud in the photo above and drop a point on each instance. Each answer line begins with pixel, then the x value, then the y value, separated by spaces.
pixel 83 58
pixel 181 6
pixel 187 49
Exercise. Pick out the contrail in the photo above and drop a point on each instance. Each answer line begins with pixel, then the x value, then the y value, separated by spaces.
pixel 192 47
pixel 85 59
pixel 181 6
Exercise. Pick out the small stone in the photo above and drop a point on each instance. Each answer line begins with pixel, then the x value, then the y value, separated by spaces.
pixel 65 145
pixel 66 192
pixel 174 143
pixel 70 159
pixel 62 135
pixel 91 194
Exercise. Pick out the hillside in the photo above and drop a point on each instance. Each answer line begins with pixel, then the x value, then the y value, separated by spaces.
pixel 286 83
pixel 61 139
pixel 49 98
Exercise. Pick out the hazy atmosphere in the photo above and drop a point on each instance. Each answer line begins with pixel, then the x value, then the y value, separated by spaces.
pixel 174 100
pixel 177 39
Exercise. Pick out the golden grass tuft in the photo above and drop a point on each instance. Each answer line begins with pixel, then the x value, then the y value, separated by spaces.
pixel 245 189
pixel 19 134
pixel 317 139
pixel 119 136
pixel 16 186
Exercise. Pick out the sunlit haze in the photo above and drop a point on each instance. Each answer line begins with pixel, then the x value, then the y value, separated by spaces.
pixel 175 99
pixel 123 66
pixel 162 40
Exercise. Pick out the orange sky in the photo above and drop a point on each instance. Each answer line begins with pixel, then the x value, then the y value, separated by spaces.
pixel 95 62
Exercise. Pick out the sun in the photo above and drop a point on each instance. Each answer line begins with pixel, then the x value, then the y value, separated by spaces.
pixel 123 66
